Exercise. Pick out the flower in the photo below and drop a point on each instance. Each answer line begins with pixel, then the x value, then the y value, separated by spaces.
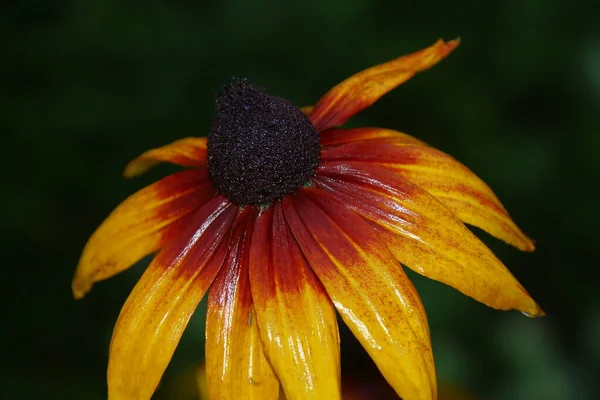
pixel 284 218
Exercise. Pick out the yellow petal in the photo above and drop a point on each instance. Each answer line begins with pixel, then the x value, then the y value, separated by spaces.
pixel 189 152
pixel 424 235
pixel 161 304
pixel 366 87
pixel 141 225
pixel 369 289
pixel 296 318
pixel 441 175
pixel 236 366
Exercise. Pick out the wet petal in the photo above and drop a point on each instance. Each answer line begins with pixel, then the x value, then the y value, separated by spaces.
pixel 236 365
pixel 424 235
pixel 296 318
pixel 369 289
pixel 161 304
pixel 366 87
pixel 141 225
pixel 441 175
pixel 336 137
pixel 189 152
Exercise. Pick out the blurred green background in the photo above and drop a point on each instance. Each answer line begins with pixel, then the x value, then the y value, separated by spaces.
pixel 88 85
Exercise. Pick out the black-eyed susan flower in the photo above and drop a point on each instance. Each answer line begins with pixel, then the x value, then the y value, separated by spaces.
pixel 284 218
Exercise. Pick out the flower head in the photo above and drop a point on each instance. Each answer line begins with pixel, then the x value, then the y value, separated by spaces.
pixel 284 218
pixel 261 147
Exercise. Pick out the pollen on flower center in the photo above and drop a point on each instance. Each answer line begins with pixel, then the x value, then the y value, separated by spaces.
pixel 261 147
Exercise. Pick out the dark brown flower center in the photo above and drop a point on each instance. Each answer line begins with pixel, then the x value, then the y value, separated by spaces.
pixel 261 147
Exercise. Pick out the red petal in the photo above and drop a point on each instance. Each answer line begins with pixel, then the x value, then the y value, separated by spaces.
pixel 161 304
pixel 368 288
pixel 442 176
pixel 236 366
pixel 140 225
pixel 366 87
pixel 296 318
pixel 425 235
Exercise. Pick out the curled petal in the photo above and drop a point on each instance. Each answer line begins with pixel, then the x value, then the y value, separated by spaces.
pixel 140 225
pixel 336 137
pixel 236 366
pixel 189 152
pixel 424 235
pixel 366 87
pixel 161 304
pixel 369 289
pixel 296 317
pixel 442 176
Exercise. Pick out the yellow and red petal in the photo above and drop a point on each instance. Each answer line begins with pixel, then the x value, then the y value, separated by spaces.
pixel 369 289
pixel 465 194
pixel 141 225
pixel 236 366
pixel 159 307
pixel 295 316
pixel 425 235
pixel 366 87
pixel 189 152
pixel 336 137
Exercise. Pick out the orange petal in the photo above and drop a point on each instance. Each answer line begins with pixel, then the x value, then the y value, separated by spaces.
pixel 161 304
pixel 424 235
pixel 441 175
pixel 336 137
pixel 296 317
pixel 368 288
pixel 236 366
pixel 189 152
pixel 141 225
pixel 366 87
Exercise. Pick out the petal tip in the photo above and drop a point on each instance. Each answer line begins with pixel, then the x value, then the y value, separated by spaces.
pixel 446 48
pixel 529 245
pixel 538 313
pixel 541 313
pixel 522 242
pixel 80 287
pixel 134 168
pixel 531 309
pixel 455 42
